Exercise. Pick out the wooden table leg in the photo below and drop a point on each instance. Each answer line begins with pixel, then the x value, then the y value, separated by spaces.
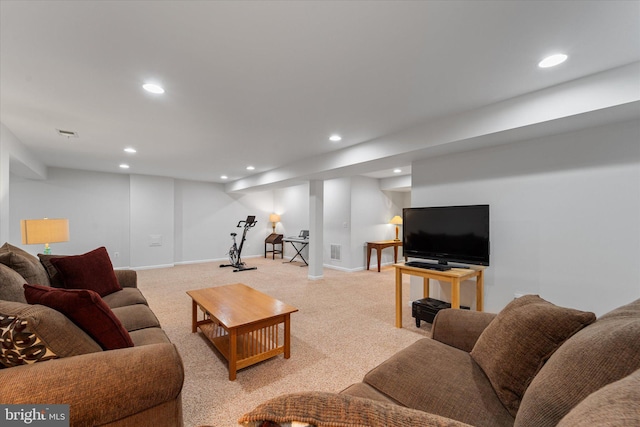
pixel 194 316
pixel 425 287
pixel 287 336
pixel 398 298
pixel 480 291
pixel 368 256
pixel 379 250
pixel 233 353
pixel 395 254
pixel 455 293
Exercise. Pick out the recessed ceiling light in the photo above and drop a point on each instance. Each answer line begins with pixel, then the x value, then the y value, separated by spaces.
pixel 130 150
pixel 397 170
pixel 335 138
pixel 250 168
pixel 224 177
pixel 124 166
pixel 153 88
pixel 553 60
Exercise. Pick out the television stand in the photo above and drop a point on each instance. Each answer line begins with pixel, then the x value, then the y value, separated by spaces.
pixel 454 276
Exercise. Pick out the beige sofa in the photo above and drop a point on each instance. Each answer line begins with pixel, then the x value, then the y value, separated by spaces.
pixel 134 386
pixel 532 365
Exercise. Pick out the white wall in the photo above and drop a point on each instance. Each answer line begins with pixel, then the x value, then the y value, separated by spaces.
pixel 357 211
pixel 152 220
pixel 96 204
pixel 565 215
pixel 337 221
pixel 292 204
pixel 371 211
pixel 121 212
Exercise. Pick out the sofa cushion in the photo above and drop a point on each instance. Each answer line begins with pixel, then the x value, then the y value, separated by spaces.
pixel 518 342
pixel 92 270
pixel 137 316
pixel 463 391
pixel 615 405
pixel 86 309
pixel 340 410
pixel 11 285
pixel 34 333
pixel 124 297
pixel 600 354
pixel 27 265
pixel 148 336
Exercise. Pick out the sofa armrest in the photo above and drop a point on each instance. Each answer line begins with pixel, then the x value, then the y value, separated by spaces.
pixel 333 409
pixel 460 328
pixel 100 387
pixel 127 278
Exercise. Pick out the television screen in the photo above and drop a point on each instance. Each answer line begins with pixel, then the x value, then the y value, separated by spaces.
pixel 447 233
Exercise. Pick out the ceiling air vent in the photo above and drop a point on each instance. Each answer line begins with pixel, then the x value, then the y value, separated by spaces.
pixel 67 133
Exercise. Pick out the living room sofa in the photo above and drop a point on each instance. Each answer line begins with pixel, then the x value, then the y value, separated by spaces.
pixel 531 365
pixel 59 362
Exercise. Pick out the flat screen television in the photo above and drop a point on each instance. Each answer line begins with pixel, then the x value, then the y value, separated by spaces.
pixel 447 233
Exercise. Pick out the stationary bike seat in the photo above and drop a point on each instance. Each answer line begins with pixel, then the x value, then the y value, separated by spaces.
pixel 234 234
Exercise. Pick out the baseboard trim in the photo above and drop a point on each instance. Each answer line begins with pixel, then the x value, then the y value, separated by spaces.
pixel 151 267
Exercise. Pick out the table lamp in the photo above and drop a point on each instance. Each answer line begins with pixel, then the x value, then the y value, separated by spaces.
pixel 38 231
pixel 274 218
pixel 397 221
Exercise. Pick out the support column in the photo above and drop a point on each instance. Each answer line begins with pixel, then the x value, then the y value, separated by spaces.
pixel 316 232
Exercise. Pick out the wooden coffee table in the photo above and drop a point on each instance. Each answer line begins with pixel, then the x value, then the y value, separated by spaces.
pixel 242 323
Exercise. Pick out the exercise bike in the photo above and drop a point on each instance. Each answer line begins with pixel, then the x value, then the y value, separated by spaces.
pixel 235 251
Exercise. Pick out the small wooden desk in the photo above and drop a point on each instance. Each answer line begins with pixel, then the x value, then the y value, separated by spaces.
pixel 453 276
pixel 379 246
pixel 274 239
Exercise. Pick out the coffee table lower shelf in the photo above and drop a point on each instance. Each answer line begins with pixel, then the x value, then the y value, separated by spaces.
pixel 254 343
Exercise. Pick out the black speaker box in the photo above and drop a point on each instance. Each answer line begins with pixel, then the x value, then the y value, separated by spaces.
pixel 426 309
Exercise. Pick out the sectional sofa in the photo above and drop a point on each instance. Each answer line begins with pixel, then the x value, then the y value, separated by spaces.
pixel 532 365
pixel 105 356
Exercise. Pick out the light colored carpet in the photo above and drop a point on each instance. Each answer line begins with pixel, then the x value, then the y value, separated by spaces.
pixel 344 328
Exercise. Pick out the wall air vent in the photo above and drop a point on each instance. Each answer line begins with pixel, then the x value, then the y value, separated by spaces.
pixel 67 133
pixel 335 252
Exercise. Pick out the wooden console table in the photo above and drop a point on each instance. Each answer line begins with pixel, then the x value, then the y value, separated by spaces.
pixel 379 246
pixel 453 276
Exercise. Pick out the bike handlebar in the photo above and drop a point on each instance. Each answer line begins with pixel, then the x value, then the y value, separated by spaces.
pixel 247 224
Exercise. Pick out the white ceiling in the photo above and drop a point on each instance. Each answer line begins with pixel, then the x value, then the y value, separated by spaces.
pixel 265 83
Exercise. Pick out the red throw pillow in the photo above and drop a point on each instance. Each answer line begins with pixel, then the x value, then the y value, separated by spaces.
pixel 86 309
pixel 92 270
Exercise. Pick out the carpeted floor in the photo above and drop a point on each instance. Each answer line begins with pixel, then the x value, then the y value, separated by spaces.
pixel 344 327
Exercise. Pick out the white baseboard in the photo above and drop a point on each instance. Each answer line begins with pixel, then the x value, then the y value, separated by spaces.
pixel 151 267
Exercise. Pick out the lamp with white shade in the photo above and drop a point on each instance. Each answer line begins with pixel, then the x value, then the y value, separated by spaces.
pixel 397 221
pixel 274 218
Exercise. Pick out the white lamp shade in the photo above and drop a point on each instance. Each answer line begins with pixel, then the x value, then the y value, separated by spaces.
pixel 274 218
pixel 397 220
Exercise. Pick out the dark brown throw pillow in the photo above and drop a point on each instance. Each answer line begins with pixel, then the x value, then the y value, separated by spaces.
pixel 518 342
pixel 92 270
pixel 86 309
